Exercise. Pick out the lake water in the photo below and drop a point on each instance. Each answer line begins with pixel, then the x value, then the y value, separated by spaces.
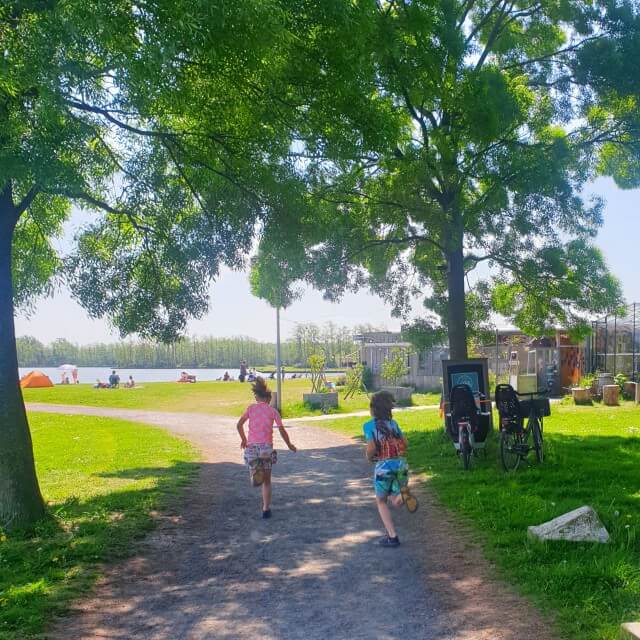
pixel 91 374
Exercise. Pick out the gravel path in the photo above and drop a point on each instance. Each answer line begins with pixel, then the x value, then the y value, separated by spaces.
pixel 214 569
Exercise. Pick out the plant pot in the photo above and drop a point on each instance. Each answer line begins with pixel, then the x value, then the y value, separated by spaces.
pixel 581 395
pixel 402 395
pixel 321 400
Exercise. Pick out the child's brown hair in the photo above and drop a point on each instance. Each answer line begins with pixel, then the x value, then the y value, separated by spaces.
pixel 261 390
pixel 382 404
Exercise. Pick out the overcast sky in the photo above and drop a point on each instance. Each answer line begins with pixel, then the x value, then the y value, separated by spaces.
pixel 234 311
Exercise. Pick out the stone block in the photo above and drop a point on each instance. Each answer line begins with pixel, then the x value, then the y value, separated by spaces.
pixel 630 631
pixel 402 395
pixel 579 525
pixel 321 400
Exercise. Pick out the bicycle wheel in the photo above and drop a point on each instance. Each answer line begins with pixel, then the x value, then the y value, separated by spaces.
pixel 465 449
pixel 534 426
pixel 510 448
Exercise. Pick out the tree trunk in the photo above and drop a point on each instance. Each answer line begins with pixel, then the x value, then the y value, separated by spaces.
pixel 456 309
pixel 21 503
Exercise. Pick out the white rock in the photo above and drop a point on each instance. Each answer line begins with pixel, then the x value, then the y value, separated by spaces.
pixel 631 630
pixel 579 525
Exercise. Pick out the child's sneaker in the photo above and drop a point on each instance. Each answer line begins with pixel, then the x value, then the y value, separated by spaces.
pixel 266 514
pixel 410 500
pixel 388 541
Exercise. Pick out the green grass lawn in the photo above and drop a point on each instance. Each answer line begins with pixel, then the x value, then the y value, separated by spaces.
pixel 217 398
pixel 101 478
pixel 593 457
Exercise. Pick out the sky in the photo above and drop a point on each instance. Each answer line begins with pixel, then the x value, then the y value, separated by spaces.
pixel 234 311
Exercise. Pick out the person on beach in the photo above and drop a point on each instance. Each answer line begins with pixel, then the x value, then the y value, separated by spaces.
pixel 243 371
pixel 387 447
pixel 259 453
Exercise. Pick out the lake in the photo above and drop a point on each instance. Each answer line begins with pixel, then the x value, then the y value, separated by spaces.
pixel 91 374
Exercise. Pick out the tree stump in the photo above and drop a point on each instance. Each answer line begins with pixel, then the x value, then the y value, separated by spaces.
pixel 581 395
pixel 611 395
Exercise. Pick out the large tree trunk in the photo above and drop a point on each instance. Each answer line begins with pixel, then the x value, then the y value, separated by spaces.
pixel 456 326
pixel 21 503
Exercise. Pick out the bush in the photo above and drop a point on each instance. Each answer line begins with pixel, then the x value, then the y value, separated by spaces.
pixel 367 378
pixel 587 381
pixel 620 379
pixel 395 368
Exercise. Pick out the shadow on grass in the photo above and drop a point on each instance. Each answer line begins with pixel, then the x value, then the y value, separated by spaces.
pixel 593 588
pixel 40 572
pixel 178 469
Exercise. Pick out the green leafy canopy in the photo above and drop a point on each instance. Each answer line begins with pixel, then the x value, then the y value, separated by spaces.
pixel 446 146
pixel 156 117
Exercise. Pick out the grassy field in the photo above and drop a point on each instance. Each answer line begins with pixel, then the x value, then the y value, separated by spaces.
pixel 217 398
pixel 593 457
pixel 102 478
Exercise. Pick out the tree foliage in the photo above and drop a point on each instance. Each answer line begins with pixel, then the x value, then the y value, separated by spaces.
pixel 440 140
pixel 141 114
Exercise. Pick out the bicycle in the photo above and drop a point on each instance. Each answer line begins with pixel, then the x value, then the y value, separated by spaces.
pixel 467 422
pixel 514 435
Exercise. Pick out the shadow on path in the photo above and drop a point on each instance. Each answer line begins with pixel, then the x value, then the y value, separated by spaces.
pixel 214 569
pixel 217 570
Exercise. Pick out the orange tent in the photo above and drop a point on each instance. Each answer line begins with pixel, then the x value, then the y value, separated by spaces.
pixel 35 379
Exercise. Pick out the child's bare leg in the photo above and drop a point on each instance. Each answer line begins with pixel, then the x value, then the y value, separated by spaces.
pixel 266 490
pixel 385 515
pixel 396 501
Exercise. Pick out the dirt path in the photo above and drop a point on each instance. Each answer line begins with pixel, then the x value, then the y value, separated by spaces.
pixel 214 569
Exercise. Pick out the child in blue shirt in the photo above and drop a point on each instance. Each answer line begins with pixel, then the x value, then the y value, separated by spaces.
pixel 387 446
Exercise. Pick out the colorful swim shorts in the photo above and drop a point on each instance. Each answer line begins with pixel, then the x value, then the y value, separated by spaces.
pixel 260 455
pixel 390 476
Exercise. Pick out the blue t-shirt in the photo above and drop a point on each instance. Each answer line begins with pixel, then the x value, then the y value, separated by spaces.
pixel 369 429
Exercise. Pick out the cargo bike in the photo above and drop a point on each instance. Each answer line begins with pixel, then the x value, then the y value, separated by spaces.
pixel 467 422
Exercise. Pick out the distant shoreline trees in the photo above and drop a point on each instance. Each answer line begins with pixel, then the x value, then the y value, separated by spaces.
pixel 336 342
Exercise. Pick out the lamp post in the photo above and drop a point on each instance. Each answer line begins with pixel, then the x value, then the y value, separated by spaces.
pixel 278 363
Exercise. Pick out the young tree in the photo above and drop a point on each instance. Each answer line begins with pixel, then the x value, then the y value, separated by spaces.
pixel 152 116
pixel 438 136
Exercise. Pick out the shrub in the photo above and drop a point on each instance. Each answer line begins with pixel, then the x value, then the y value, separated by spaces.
pixel 367 378
pixel 394 368
pixel 318 380
pixel 620 379
pixel 587 381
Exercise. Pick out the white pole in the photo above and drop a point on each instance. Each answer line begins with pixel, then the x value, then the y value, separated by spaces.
pixel 278 361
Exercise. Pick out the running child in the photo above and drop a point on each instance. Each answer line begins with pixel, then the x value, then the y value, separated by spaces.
pixel 387 446
pixel 259 453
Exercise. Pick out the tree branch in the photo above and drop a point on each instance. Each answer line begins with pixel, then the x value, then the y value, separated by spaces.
pixel 494 33
pixel 25 203
pixel 105 206
pixel 549 57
